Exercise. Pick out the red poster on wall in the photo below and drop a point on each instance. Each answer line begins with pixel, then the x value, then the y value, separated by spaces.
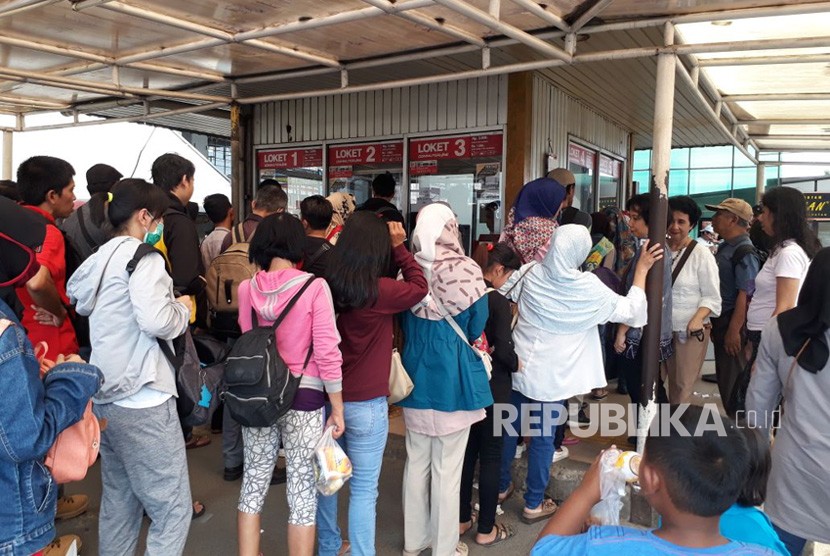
pixel 580 156
pixel 367 153
pixel 290 158
pixel 609 166
pixel 442 148
pixel 340 171
pixel 423 167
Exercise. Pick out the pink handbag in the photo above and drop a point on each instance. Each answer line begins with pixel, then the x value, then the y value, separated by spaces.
pixel 76 448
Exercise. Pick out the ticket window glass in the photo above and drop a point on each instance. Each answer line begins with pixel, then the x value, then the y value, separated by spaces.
pixel 610 176
pixel 298 171
pixel 464 172
pixel 352 167
pixel 582 162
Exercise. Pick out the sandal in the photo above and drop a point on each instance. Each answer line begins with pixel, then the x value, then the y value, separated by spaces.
pixel 544 511
pixel 197 442
pixel 503 532
pixel 507 493
pixel 198 513
pixel 599 394
pixel 470 524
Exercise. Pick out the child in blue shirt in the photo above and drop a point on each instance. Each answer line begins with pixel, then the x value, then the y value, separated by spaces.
pixel 689 474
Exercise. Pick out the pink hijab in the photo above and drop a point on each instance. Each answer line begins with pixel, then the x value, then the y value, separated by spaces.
pixel 455 280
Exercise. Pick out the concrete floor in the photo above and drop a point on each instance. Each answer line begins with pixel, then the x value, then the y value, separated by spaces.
pixel 215 532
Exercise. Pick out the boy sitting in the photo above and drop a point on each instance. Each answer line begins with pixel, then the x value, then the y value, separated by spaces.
pixel 690 477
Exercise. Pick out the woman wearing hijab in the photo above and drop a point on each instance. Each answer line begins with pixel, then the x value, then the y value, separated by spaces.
pixel 557 341
pixel 793 362
pixel 451 385
pixel 343 205
pixel 532 220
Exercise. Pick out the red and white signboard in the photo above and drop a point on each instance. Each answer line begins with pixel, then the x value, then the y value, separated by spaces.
pixel 290 158
pixel 367 153
pixel 468 146
pixel 581 156
pixel 423 167
pixel 609 166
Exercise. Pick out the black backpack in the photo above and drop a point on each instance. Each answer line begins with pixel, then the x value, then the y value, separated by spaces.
pixel 260 388
pixel 745 249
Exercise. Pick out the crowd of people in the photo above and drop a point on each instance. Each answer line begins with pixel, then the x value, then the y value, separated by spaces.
pixel 551 312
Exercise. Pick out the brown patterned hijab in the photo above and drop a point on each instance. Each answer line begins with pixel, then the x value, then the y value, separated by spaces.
pixel 455 280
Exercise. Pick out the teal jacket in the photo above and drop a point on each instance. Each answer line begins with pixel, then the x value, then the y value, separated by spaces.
pixel 448 375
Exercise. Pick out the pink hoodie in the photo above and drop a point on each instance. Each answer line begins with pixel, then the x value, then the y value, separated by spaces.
pixel 312 317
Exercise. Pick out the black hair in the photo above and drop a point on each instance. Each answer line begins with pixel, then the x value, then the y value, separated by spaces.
pixel 702 469
pixel 96 206
pixel 39 175
pixel 270 181
pixel 132 195
pixel 358 261
pixel 217 207
pixel 502 254
pixel 754 491
pixel 642 204
pixel 789 207
pixel 383 185
pixel 686 205
pixel 278 236
pixel 317 211
pixel 169 169
pixel 759 237
pixel 8 189
pixel 270 198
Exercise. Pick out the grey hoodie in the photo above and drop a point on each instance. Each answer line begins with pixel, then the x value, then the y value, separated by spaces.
pixel 126 315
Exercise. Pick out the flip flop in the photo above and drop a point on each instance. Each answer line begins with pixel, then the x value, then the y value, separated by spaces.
pixel 503 532
pixel 198 513
pixel 197 442
pixel 507 493
pixel 472 522
pixel 547 509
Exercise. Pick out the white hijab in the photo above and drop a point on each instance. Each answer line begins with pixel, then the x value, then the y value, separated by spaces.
pixel 560 298
pixel 455 280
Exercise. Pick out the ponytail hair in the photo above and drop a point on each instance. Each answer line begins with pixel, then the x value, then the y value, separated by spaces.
pixel 131 195
pixel 501 253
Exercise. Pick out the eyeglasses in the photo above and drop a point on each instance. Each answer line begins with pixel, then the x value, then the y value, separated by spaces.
pixel 758 209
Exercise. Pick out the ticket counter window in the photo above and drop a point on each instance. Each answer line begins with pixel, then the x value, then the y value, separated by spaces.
pixel 582 162
pixel 352 167
pixel 298 171
pixel 610 176
pixel 464 172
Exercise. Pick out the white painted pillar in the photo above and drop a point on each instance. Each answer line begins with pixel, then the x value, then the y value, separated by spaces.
pixel 8 141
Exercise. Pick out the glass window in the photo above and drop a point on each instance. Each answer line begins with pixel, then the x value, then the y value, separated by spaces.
pixel 744 177
pixel 299 171
pixel 352 167
pixel 463 171
pixel 642 159
pixel 678 182
pixel 772 175
pixel 741 159
pixel 709 181
pixel 823 186
pixel 642 178
pixel 679 158
pixel 768 157
pixel 581 162
pixel 711 157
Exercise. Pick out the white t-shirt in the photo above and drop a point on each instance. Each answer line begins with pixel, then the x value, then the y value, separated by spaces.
pixel 789 261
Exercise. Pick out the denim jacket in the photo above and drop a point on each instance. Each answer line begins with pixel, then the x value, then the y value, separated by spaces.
pixel 32 414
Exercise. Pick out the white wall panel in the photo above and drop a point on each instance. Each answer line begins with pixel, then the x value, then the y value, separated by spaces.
pixel 558 116
pixel 436 107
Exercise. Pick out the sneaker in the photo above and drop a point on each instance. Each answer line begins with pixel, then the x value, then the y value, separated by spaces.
pixel 233 473
pixel 560 454
pixel 520 449
pixel 66 545
pixel 72 506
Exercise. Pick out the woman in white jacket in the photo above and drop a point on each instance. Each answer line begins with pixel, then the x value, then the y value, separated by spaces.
pixel 695 298
pixel 143 462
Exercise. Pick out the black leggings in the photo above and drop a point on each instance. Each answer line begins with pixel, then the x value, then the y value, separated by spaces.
pixel 485 448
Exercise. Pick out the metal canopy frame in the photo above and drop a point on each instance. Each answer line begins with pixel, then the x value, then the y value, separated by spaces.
pixel 205 90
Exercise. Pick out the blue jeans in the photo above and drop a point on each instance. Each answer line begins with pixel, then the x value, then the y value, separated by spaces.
pixel 793 543
pixel 367 426
pixel 542 424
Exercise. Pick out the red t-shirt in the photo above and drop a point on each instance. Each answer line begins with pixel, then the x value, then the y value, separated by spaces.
pixel 52 255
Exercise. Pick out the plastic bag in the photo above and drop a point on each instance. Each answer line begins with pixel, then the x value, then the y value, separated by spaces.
pixel 616 469
pixel 331 464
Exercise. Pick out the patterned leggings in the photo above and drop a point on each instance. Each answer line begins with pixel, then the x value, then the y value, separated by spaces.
pixel 300 431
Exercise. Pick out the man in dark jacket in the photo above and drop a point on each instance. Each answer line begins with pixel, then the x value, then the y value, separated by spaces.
pixel 383 189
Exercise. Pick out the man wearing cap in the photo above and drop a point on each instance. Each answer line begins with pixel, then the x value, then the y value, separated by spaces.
pixel 87 228
pixel 567 180
pixel 708 238
pixel 738 265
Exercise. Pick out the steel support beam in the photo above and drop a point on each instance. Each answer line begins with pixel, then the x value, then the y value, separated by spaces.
pixel 791 137
pixel 760 181
pixel 428 22
pixel 8 142
pixel 765 60
pixel 813 121
pixel 141 118
pixel 590 14
pixel 544 14
pixel 776 97
pixel 482 17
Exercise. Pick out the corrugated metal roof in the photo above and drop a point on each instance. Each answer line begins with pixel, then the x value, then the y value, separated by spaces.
pixel 191 51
